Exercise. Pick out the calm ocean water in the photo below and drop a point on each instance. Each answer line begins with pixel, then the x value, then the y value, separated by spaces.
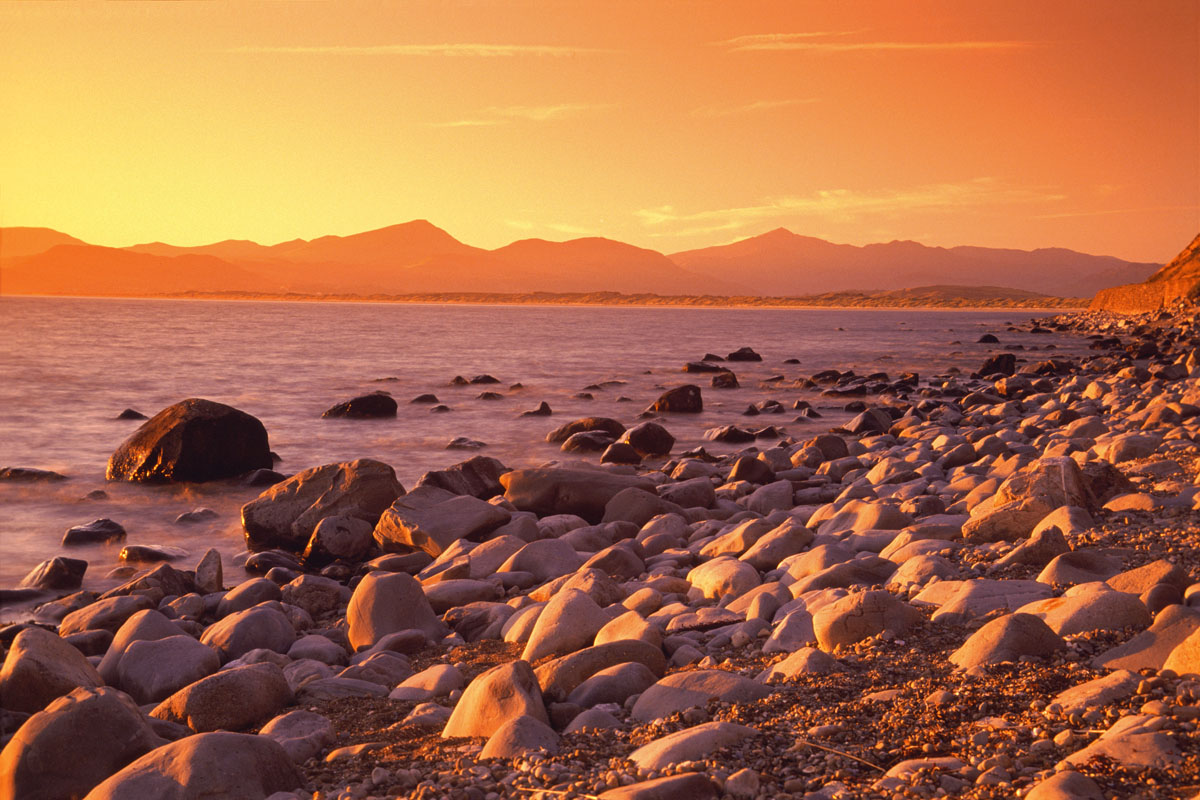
pixel 69 366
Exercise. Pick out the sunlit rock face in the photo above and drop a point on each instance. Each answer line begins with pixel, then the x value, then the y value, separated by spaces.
pixel 194 440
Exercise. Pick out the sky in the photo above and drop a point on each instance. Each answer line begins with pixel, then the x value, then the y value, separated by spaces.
pixel 668 124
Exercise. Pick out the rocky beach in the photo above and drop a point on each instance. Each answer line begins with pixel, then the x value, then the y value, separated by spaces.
pixel 980 585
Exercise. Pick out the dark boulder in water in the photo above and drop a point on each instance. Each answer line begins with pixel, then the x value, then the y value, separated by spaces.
pixel 29 475
pixel 724 380
pixel 700 366
pixel 999 364
pixel 490 396
pixel 988 338
pixel 682 399
pixel 194 440
pixel 376 405
pixel 478 477
pixel 57 573
pixel 196 515
pixel 649 439
pixel 100 530
pixel 543 410
pixel 606 424
pixel 459 380
pixel 263 477
pixel 464 443
pixel 150 553
pixel 484 379
pixel 620 453
pixel 729 434
pixel 267 560
pixel 129 413
pixel 587 442
pixel 744 354
pixel 425 398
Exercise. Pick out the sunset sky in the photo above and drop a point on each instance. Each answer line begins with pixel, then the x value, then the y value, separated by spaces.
pixel 670 125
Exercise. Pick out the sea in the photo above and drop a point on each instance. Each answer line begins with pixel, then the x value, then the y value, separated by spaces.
pixel 70 366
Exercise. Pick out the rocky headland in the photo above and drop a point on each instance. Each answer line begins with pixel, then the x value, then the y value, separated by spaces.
pixel 983 585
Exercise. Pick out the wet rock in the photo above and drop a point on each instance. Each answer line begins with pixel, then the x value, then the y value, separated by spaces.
pixel 150 553
pixel 57 573
pixel 999 364
pixel 193 440
pixel 495 698
pixel 376 405
pixel 196 516
pixel 620 453
pixel 587 442
pixel 29 475
pixel 563 432
pixel 385 603
pixel 231 766
pixel 649 439
pixel 97 531
pixel 40 667
pixel 684 399
pixel 730 434
pixel 743 354
pixel 287 514
pixel 724 380
pixel 542 410
pixel 76 742
pixel 339 537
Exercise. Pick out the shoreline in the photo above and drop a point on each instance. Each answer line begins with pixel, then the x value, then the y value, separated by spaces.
pixel 885 542
pixel 574 300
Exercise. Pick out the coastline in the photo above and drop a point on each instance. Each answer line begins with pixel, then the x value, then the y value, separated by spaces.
pixel 835 301
pixel 882 509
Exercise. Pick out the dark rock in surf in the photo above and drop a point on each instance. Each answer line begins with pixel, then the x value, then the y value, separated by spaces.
pixel 490 396
pixel 425 398
pixel 440 409
pixel 700 366
pixel 620 453
pixel 267 560
pixel 195 516
pixel 150 553
pixel 724 380
pixel 29 475
pixel 744 354
pixel 463 443
pixel 484 379
pixel 587 442
pixel 681 400
pixel 100 530
pixel 129 413
pixel 606 424
pixel 194 440
pixel 543 410
pixel 988 338
pixel 263 477
pixel 376 405
pixel 57 573
pixel 649 439
pixel 729 434
pixel 477 477
pixel 459 380
pixel 999 364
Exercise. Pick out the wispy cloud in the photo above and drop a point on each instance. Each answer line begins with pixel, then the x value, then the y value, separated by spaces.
pixel 1108 212
pixel 751 108
pixel 502 115
pixel 443 49
pixel 557 227
pixel 843 205
pixel 829 42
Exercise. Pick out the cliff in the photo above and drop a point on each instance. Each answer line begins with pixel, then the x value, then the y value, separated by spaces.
pixel 1178 280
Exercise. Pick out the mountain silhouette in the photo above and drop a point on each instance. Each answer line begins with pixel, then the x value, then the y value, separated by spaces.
pixel 418 257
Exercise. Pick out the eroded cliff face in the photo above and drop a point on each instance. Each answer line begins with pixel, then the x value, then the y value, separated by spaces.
pixel 1179 280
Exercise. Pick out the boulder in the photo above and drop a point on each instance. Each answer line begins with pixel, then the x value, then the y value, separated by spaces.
pixel 1137 741
pixel 805 661
pixel 684 690
pixel 1151 648
pixel 545 559
pixel 1079 566
pixel 858 616
pixel 684 399
pixel 560 677
pixel 385 603
pixel 585 493
pixel 232 766
pixel 95 532
pixel 436 681
pixel 287 514
pixel 194 440
pixel 258 627
pixel 564 432
pixel 248 594
pixel 690 744
pixel 1185 657
pixel 1007 639
pixel 723 576
pixel 649 439
pixel 1090 607
pixel 519 736
pixel 613 685
pixel 339 537
pixel 375 405
pixel 478 476
pixel 74 743
pixel 56 574
pixel 40 667
pixel 301 734
pixel 153 669
pixel 690 785
pixel 568 623
pixel 231 699
pixel 434 528
pixel 494 698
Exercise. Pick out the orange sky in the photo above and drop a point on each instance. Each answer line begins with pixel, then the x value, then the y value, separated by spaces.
pixel 670 125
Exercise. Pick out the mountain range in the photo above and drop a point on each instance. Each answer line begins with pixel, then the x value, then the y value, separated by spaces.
pixel 418 257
